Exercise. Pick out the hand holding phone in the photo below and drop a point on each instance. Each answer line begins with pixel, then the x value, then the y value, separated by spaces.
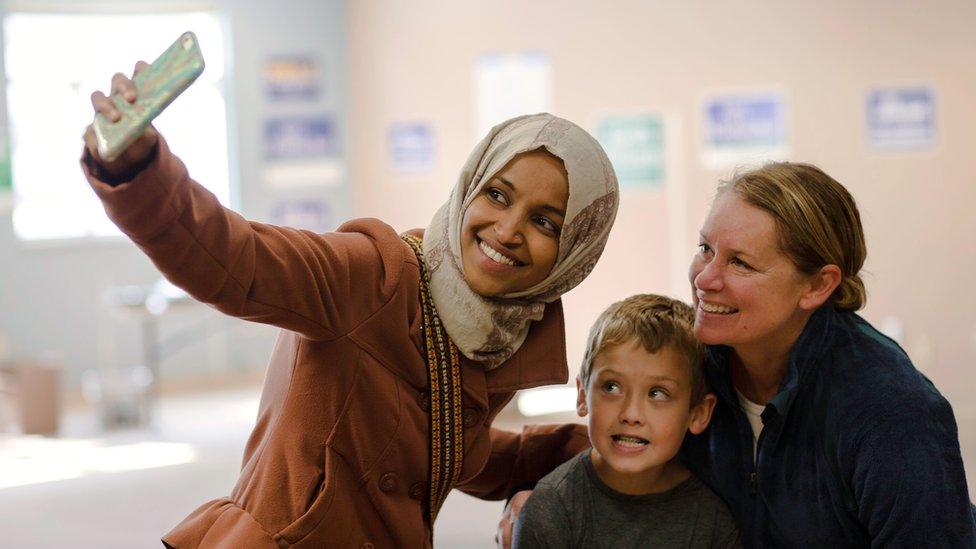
pixel 123 118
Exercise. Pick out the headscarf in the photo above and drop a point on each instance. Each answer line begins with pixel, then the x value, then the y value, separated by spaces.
pixel 489 330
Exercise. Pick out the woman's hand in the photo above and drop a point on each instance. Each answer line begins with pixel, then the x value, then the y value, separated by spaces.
pixel 138 152
pixel 503 538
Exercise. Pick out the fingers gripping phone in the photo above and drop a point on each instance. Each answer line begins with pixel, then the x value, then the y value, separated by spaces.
pixel 156 87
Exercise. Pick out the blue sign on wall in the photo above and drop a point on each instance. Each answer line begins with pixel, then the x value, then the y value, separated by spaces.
pixel 901 118
pixel 411 147
pixel 745 120
pixel 299 137
pixel 742 128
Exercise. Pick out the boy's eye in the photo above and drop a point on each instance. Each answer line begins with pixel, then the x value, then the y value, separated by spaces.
pixel 658 394
pixel 611 387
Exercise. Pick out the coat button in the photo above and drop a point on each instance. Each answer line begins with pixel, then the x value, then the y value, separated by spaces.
pixel 388 482
pixel 418 490
pixel 425 401
pixel 470 417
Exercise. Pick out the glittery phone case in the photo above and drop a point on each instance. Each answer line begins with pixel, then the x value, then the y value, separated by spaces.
pixel 157 86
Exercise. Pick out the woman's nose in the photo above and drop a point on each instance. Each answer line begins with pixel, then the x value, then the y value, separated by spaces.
pixel 507 229
pixel 708 277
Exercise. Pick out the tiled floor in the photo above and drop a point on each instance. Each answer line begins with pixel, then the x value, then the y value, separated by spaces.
pixel 193 452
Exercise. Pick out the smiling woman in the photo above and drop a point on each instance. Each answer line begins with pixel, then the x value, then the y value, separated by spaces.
pixel 396 351
pixel 824 433
pixel 510 232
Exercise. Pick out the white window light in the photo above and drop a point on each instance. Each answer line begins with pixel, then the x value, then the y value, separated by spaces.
pixel 48 107
pixel 551 400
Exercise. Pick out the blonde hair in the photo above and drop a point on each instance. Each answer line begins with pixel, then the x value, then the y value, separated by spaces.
pixel 817 221
pixel 654 321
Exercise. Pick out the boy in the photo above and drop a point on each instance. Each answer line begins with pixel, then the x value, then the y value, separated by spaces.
pixel 642 387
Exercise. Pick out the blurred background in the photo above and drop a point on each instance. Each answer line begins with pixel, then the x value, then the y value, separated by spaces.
pixel 124 405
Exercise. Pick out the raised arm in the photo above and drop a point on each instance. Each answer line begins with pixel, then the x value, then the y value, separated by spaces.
pixel 318 285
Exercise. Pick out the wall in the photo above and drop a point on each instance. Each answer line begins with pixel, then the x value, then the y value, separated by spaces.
pixel 413 60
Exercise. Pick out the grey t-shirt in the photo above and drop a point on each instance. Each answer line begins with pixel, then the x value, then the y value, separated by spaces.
pixel 572 507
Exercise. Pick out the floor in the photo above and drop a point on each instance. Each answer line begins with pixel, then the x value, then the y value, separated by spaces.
pixel 86 489
pixel 83 489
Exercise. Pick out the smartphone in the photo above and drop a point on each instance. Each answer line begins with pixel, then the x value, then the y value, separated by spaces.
pixel 156 86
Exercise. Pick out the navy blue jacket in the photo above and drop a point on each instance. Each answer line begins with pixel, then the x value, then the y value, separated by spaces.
pixel 858 448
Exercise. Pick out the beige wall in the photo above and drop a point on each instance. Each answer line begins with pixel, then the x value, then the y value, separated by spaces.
pixel 413 60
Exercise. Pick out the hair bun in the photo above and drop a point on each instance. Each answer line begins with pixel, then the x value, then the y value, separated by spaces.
pixel 850 295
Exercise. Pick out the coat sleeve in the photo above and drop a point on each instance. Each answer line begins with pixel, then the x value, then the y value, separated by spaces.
pixel 319 285
pixel 908 478
pixel 522 459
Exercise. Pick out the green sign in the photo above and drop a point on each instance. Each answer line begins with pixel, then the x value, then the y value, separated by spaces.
pixel 635 145
pixel 5 177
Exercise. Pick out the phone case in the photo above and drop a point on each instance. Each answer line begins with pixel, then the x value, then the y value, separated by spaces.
pixel 157 86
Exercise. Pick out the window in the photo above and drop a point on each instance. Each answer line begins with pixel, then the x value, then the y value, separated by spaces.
pixel 49 81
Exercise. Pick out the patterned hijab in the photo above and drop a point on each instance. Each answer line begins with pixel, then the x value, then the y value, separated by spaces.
pixel 490 329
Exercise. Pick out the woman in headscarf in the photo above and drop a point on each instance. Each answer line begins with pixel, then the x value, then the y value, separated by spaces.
pixel 396 351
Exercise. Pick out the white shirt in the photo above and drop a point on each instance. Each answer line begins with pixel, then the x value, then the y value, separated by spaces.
pixel 754 414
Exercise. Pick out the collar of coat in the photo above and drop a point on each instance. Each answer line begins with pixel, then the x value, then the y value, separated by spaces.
pixel 804 356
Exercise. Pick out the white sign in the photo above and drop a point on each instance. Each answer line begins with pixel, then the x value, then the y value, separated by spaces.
pixel 509 85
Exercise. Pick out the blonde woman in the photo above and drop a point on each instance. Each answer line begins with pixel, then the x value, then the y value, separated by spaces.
pixel 824 433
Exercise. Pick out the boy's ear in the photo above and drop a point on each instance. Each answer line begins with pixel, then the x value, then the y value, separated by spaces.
pixel 822 286
pixel 580 398
pixel 701 414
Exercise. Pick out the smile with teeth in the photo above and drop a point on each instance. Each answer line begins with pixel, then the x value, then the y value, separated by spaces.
pixel 716 309
pixel 496 256
pixel 629 441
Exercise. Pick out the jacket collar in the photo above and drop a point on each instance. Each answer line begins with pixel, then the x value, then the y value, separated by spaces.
pixel 805 354
pixel 541 360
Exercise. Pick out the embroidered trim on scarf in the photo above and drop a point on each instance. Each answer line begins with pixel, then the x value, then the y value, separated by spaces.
pixel 444 379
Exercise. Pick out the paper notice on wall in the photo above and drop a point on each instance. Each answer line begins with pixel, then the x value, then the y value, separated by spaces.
pixel 314 215
pixel 293 77
pixel 901 118
pixel 6 177
pixel 744 128
pixel 291 137
pixel 410 146
pixel 508 85
pixel 291 174
pixel 635 145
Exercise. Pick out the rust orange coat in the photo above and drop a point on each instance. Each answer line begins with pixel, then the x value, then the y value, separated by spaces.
pixel 339 454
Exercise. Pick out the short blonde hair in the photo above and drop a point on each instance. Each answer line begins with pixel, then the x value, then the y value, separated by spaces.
pixel 817 221
pixel 654 321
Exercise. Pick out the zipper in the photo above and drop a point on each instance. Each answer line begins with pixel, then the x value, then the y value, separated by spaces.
pixel 754 476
